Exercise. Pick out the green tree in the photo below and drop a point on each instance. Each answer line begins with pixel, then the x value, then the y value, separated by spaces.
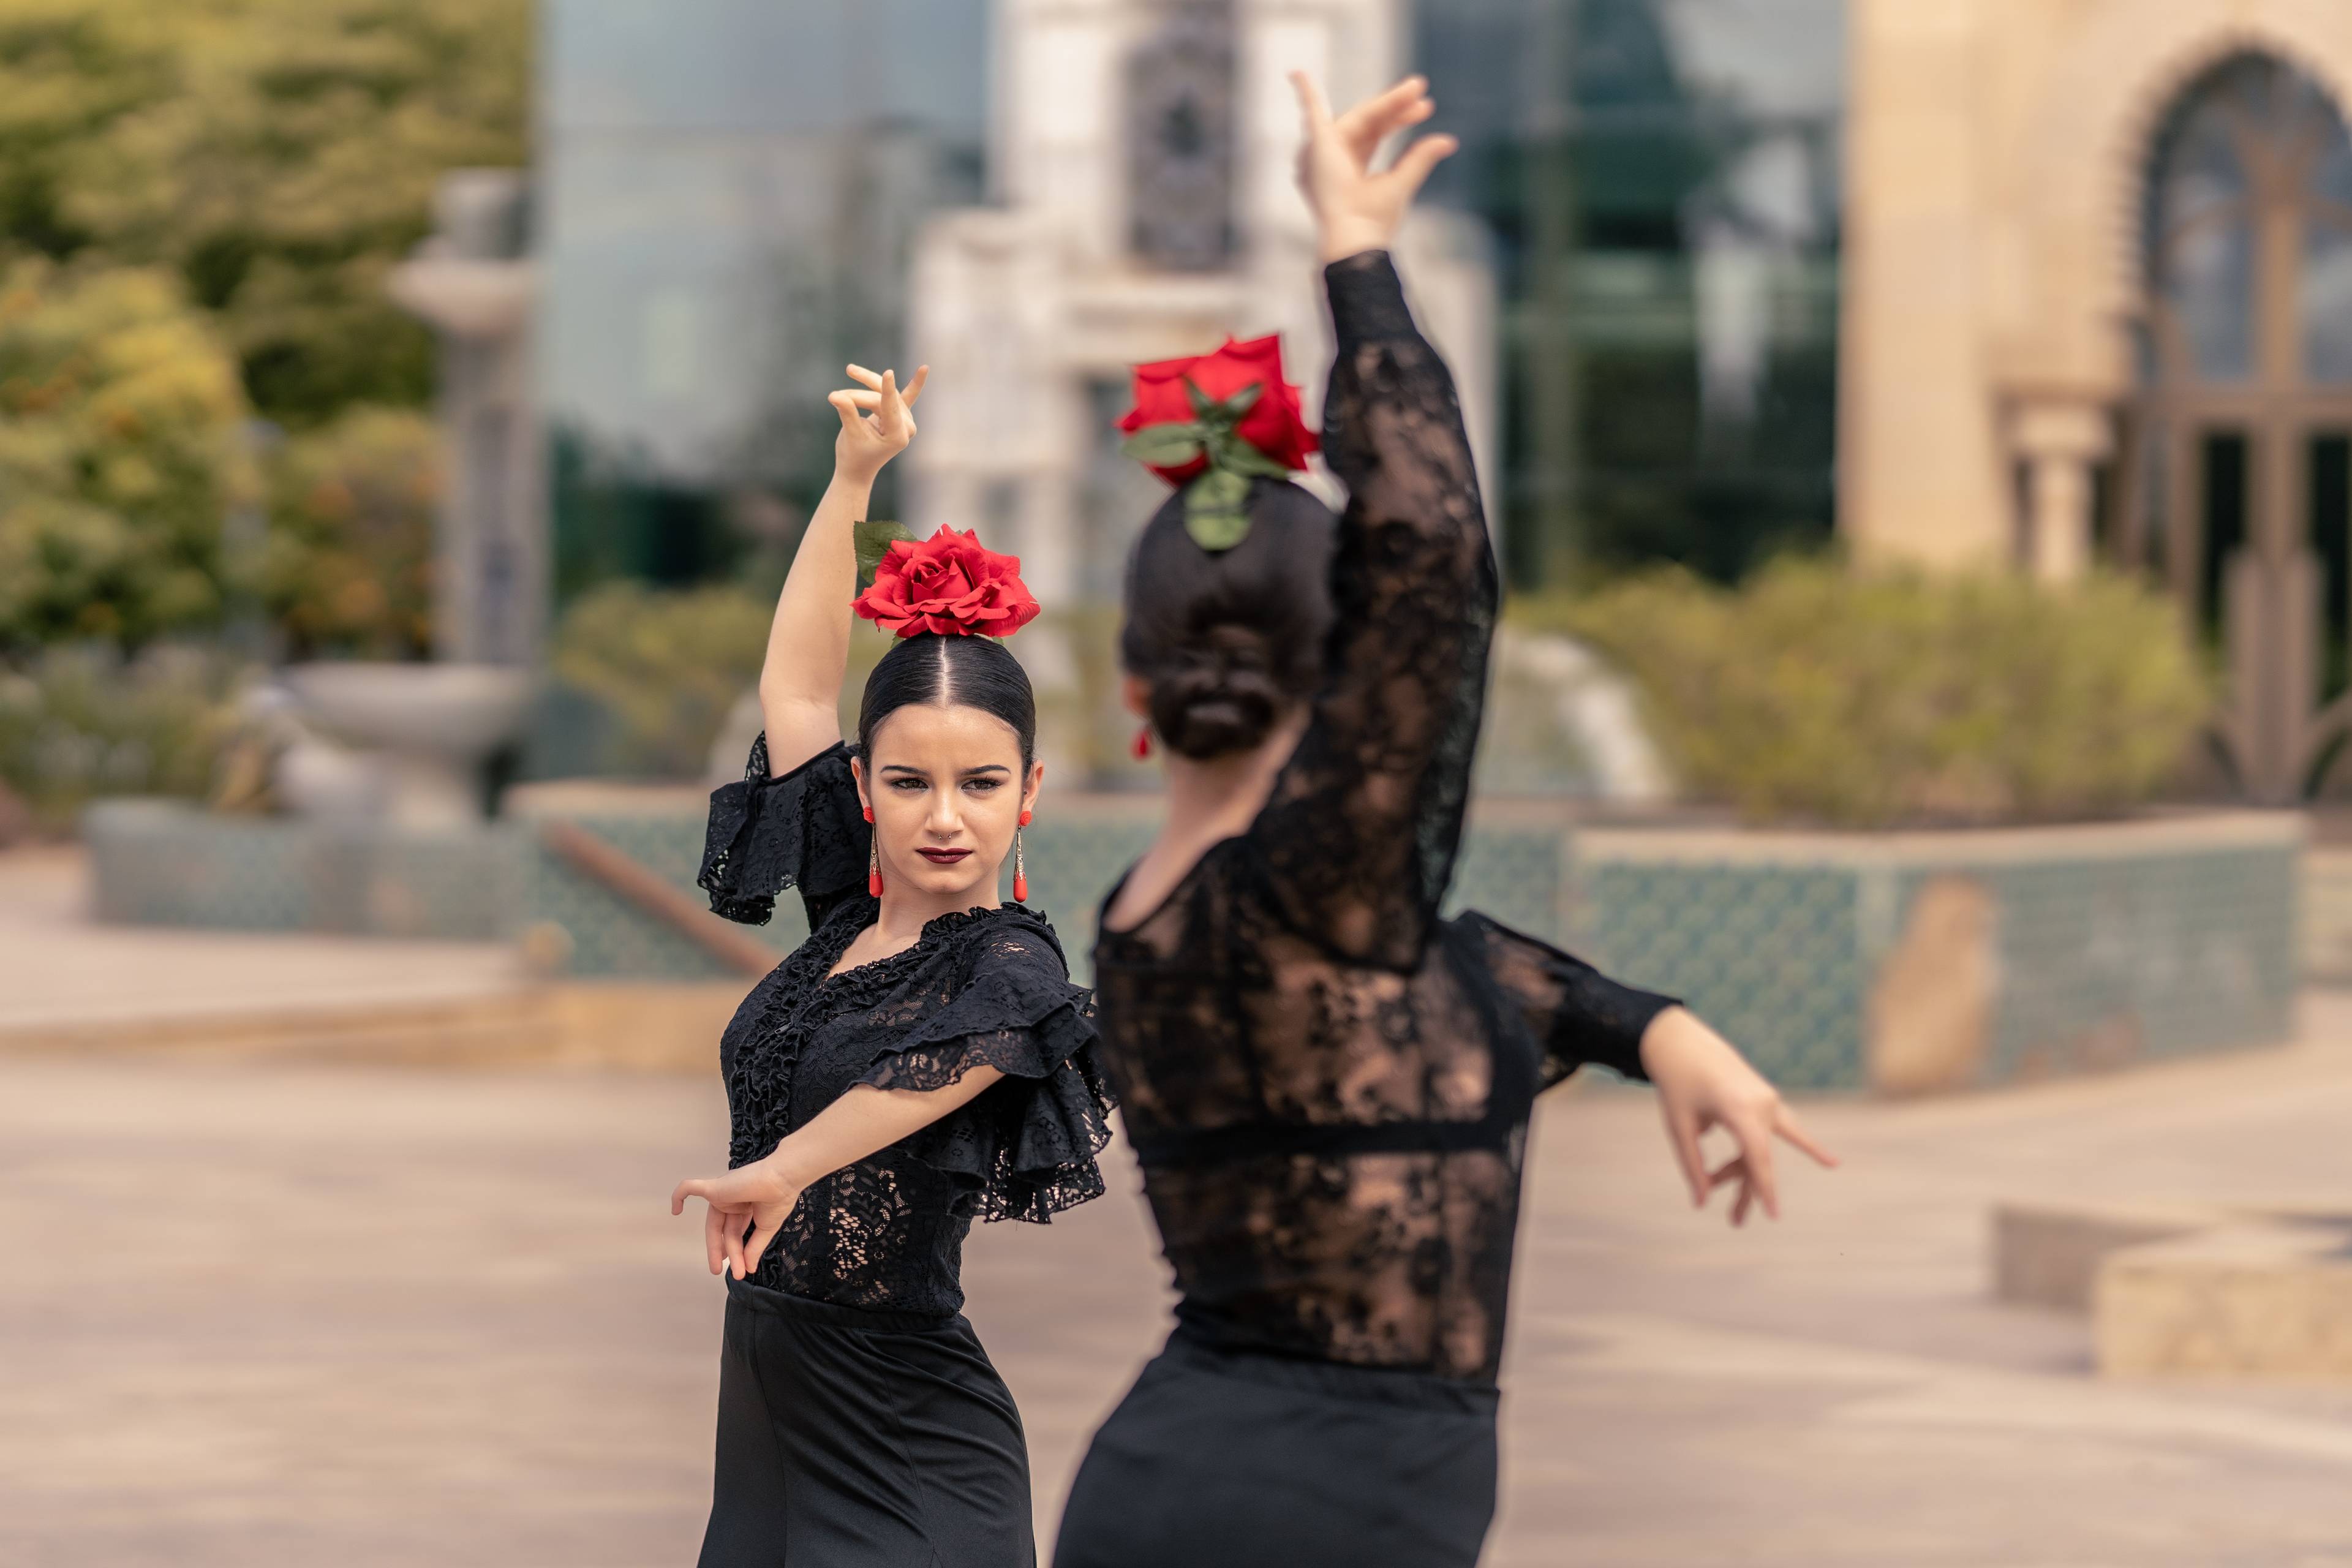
pixel 348 567
pixel 280 155
pixel 120 454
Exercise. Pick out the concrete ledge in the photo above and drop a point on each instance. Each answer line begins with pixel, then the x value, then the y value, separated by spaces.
pixel 2049 1255
pixel 2255 1301
pixel 643 1027
pixel 2190 1289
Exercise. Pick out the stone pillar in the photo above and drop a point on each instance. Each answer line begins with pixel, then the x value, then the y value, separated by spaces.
pixel 473 282
pixel 2058 440
pixel 1920 474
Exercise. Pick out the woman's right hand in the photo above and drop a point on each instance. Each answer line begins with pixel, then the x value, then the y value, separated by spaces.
pixel 748 1206
pixel 1355 209
pixel 877 423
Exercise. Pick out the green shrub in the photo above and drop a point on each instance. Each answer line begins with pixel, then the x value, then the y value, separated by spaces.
pixel 119 452
pixel 666 664
pixel 80 722
pixel 348 567
pixel 1815 692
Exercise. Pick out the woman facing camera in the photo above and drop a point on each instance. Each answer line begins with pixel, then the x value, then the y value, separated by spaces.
pixel 1327 1086
pixel 920 1061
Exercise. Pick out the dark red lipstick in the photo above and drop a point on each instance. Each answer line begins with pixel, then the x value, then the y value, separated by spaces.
pixel 943 857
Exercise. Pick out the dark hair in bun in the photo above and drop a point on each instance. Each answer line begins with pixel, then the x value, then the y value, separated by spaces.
pixel 1229 642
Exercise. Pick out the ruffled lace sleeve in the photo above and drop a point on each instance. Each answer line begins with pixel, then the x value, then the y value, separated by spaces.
pixel 803 830
pixel 1027 1145
pixel 1576 1014
pixel 1359 835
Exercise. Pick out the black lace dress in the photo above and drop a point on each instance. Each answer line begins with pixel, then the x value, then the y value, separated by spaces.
pixel 1327 1084
pixel 860 1421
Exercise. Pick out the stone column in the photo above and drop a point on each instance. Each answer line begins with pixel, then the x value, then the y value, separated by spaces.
pixel 2058 440
pixel 473 282
pixel 1920 475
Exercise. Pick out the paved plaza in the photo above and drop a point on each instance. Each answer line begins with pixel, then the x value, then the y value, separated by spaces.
pixel 257 1314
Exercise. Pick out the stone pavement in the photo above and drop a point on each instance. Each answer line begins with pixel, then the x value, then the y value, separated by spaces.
pixel 59 969
pixel 256 1314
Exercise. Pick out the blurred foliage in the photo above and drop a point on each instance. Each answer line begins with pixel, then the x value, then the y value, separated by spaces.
pixel 82 721
pixel 667 665
pixel 119 452
pixel 1816 692
pixel 280 156
pixel 348 567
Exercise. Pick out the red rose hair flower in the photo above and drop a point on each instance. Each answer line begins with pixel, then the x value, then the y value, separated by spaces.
pixel 1213 423
pixel 947 583
pixel 1273 424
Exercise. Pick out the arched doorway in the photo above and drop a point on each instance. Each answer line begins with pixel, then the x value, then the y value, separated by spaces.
pixel 2236 476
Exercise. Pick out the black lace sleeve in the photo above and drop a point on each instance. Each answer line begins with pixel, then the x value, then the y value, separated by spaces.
pixel 1027 1145
pixel 1575 1013
pixel 804 830
pixel 1359 838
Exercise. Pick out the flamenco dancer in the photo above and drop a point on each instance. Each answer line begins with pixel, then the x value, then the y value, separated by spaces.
pixel 1329 1086
pixel 920 1061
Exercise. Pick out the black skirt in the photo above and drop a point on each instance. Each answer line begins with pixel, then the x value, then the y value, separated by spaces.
pixel 1238 1459
pixel 858 1439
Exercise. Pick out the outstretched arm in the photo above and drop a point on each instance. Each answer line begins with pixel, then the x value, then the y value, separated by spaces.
pixel 808 644
pixel 750 1203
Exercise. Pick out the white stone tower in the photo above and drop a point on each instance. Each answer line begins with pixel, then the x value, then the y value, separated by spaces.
pixel 1140 158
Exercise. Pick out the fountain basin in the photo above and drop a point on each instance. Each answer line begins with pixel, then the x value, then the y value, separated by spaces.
pixel 429 727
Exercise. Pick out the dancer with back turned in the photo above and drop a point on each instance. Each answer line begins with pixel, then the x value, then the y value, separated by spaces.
pixel 1327 1086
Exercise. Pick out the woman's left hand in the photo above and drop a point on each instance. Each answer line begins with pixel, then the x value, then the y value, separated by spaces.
pixel 876 423
pixel 748 1206
pixel 1703 1082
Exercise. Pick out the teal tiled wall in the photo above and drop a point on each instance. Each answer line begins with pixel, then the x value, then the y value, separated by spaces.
pixel 2098 957
pixel 2174 947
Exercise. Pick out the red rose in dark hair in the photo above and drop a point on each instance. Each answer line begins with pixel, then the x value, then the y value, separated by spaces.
pixel 948 584
pixel 1272 424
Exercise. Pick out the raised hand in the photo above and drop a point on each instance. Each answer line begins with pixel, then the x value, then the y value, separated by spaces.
pixel 1703 1082
pixel 877 420
pixel 1355 208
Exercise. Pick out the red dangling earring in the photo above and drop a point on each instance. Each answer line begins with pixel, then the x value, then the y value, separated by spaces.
pixel 873 869
pixel 869 814
pixel 1020 870
pixel 1142 747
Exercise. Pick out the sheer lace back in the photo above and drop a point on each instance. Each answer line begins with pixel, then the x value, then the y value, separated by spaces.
pixel 1329 1086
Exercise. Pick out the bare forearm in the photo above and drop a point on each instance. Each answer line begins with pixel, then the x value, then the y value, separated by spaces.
pixel 867 1119
pixel 808 643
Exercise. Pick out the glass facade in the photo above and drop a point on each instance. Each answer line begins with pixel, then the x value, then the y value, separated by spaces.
pixel 731 189
pixel 1662 178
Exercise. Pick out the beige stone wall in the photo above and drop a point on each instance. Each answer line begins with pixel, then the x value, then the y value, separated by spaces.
pixel 1994 166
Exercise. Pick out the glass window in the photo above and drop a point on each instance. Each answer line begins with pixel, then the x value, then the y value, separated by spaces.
pixel 1661 177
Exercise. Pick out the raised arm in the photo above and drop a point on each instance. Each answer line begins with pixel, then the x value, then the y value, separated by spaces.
pixel 1359 835
pixel 808 643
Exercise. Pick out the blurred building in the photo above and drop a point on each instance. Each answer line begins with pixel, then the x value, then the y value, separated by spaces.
pixel 738 196
pixel 1143 206
pixel 2098 303
pixel 1661 178
pixel 729 192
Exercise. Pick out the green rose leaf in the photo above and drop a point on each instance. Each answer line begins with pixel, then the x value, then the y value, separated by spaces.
pixel 1222 413
pixel 1168 445
pixel 1236 455
pixel 873 539
pixel 1212 510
